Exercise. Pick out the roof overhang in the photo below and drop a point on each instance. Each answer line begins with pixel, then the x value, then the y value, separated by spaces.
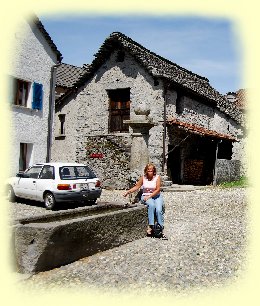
pixel 196 129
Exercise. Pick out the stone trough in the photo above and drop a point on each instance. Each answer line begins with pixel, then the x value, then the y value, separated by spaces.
pixel 43 243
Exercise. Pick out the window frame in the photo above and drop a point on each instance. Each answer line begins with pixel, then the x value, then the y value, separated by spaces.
pixel 26 92
pixel 119 109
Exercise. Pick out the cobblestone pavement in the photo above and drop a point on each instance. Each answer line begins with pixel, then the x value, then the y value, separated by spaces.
pixel 206 247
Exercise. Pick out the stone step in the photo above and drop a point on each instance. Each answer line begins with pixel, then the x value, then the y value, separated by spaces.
pixel 166 183
pixel 179 188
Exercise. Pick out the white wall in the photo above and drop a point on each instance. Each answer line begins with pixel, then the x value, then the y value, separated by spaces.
pixel 31 61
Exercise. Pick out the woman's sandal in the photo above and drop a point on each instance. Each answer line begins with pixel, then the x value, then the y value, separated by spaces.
pixel 149 232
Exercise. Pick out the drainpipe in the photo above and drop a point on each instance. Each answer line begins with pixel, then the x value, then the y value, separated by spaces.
pixel 51 111
pixel 164 126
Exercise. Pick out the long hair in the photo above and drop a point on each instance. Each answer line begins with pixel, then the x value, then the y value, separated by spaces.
pixel 146 168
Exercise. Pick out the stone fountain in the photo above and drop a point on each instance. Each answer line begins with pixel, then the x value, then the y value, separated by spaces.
pixel 141 125
pixel 48 241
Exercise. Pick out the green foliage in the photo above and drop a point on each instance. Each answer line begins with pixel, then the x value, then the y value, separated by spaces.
pixel 242 183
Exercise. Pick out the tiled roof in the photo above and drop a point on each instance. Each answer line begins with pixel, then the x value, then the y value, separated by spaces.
pixel 41 28
pixel 161 68
pixel 67 75
pixel 192 128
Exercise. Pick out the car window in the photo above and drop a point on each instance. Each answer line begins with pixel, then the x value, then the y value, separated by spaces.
pixel 47 172
pixel 34 172
pixel 84 172
pixel 76 172
pixel 67 173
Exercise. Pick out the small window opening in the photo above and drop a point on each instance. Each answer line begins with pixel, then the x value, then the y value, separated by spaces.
pixel 62 124
pixel 120 56
pixel 156 82
pixel 225 150
pixel 179 103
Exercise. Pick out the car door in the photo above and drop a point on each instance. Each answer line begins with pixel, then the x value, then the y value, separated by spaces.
pixel 45 181
pixel 27 185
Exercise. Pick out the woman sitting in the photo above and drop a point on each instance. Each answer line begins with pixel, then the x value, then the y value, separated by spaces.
pixel 151 184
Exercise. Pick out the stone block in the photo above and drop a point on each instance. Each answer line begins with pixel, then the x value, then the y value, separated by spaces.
pixel 54 240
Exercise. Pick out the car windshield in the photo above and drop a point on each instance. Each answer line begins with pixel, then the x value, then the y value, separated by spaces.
pixel 76 172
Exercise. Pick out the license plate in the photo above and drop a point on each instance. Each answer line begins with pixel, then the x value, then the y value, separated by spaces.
pixel 84 186
pixel 91 185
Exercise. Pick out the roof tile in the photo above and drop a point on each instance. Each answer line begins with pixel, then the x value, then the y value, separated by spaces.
pixel 67 75
pixel 199 129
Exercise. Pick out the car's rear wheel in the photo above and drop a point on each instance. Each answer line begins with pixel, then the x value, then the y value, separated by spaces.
pixel 49 200
pixel 10 194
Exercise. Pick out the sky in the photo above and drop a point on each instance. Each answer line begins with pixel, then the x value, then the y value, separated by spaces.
pixel 205 46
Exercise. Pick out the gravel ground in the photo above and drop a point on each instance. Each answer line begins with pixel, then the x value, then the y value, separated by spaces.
pixel 206 248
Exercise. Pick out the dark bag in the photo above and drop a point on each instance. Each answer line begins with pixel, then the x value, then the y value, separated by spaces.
pixel 157 230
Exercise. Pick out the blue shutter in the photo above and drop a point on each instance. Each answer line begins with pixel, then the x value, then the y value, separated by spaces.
pixel 37 96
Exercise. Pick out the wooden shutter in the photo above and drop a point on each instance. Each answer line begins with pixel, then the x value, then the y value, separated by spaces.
pixel 37 96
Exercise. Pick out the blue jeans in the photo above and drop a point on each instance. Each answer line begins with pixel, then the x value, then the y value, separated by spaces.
pixel 155 207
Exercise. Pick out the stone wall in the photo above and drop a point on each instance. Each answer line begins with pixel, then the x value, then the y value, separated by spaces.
pixel 109 157
pixel 64 146
pixel 227 170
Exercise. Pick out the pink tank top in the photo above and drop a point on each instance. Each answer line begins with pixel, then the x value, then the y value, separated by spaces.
pixel 149 186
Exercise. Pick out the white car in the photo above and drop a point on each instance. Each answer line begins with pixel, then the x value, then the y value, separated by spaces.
pixel 55 182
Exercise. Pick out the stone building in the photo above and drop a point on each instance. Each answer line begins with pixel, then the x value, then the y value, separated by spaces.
pixel 131 106
pixel 31 96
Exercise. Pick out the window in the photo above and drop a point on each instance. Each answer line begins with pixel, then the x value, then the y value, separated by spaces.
pixel 76 172
pixel 22 89
pixel 25 156
pixel 179 103
pixel 225 149
pixel 120 56
pixel 155 82
pixel 34 172
pixel 26 94
pixel 47 173
pixel 119 109
pixel 62 124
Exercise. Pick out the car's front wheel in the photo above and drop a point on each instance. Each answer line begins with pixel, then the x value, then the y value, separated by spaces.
pixel 49 200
